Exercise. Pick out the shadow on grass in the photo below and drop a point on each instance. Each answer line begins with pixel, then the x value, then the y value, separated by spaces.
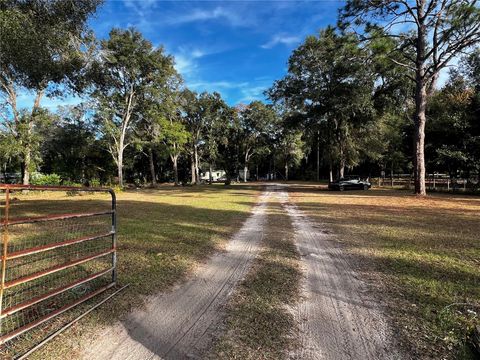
pixel 158 242
pixel 427 252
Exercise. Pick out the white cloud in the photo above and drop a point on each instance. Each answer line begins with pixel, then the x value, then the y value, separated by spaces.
pixel 217 13
pixel 281 39
pixel 185 65
pixel 140 6
pixel 252 93
pixel 186 58
pixel 216 85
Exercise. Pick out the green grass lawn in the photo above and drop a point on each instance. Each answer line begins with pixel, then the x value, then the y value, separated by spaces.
pixel 162 235
pixel 422 254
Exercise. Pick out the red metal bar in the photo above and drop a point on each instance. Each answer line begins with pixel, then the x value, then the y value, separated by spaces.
pixel 38 249
pixel 26 304
pixel 52 188
pixel 54 217
pixel 55 269
pixel 13 309
pixel 54 313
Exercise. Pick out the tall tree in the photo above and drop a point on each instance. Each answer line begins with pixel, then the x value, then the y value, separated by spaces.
pixel 256 121
pixel 328 90
pixel 202 114
pixel 130 67
pixel 71 149
pixel 175 137
pixel 158 106
pixel 229 140
pixel 438 31
pixel 43 50
pixel 290 149
pixel 215 118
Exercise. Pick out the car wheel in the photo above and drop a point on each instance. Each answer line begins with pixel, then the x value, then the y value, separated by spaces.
pixel 341 188
pixel 365 187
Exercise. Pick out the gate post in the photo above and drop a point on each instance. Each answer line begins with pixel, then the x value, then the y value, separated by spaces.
pixel 5 250
pixel 114 235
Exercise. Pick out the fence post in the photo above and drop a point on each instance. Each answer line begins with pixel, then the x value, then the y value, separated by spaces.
pixel 434 181
pixel 114 235
pixel 448 184
pixel 5 249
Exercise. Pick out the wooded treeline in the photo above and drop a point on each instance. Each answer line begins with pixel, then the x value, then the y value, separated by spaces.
pixel 359 98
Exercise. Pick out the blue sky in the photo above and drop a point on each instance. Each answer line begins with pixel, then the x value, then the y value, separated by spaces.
pixel 237 48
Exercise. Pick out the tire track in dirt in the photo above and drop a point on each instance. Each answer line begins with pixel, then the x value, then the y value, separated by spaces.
pixel 338 318
pixel 182 324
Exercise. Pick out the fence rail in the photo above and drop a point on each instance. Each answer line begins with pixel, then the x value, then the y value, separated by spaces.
pixel 432 182
pixel 51 263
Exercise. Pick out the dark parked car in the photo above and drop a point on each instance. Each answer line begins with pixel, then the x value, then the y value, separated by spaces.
pixel 349 184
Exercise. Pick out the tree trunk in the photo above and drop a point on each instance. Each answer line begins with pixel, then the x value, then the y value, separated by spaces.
pixel 120 167
pixel 175 168
pixel 420 109
pixel 26 164
pixel 197 172
pixel 245 169
pixel 331 172
pixel 194 178
pixel 257 172
pixel 152 167
pixel 286 171
pixel 210 176
pixel 342 169
pixel 27 160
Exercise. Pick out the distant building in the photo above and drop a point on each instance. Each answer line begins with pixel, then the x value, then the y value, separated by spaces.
pixel 217 175
pixel 220 175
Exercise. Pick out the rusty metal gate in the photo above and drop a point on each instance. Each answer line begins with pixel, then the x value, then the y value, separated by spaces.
pixel 53 260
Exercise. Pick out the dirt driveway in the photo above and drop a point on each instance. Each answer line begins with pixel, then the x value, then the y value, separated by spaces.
pixel 337 317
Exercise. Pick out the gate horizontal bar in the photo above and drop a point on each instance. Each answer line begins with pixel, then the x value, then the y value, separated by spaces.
pixel 21 306
pixel 38 249
pixel 54 313
pixel 32 220
pixel 55 269
pixel 53 188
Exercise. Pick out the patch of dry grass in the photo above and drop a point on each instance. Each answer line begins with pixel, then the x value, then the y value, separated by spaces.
pixel 423 254
pixel 259 324
pixel 162 235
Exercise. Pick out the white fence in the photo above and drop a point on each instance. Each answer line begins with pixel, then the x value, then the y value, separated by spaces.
pixel 434 182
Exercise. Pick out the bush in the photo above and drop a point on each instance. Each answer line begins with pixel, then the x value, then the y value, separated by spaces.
pixel 95 182
pixel 45 179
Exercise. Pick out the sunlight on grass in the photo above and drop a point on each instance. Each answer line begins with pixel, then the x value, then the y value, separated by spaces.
pixel 162 235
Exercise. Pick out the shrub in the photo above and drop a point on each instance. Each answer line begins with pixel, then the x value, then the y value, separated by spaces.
pixel 95 182
pixel 45 179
